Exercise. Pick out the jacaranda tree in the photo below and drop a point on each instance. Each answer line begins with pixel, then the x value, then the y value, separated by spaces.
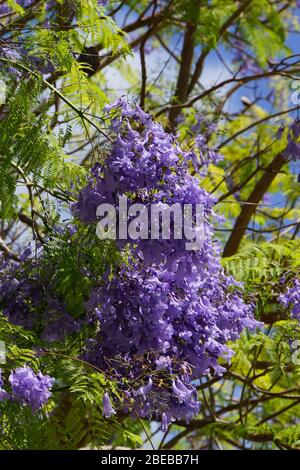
pixel 127 338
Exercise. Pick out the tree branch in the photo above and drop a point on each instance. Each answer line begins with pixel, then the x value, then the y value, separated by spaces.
pixel 199 65
pixel 187 53
pixel 248 210
pixel 7 251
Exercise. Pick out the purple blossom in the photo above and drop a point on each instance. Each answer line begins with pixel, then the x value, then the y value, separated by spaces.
pixel 181 391
pixel 58 329
pixel 292 150
pixel 3 394
pixel 26 254
pixel 280 131
pixel 108 410
pixel 72 229
pixel 26 303
pixel 291 299
pixel 165 421
pixel 29 388
pixel 176 309
pixel 166 312
pixel 150 166
pixel 144 389
pixel 163 362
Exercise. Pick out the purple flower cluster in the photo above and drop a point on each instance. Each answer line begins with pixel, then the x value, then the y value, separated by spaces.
pixel 28 388
pixel 147 165
pixel 202 154
pixel 27 299
pixel 292 150
pixel 166 317
pixel 179 328
pixel 291 299
pixel 143 310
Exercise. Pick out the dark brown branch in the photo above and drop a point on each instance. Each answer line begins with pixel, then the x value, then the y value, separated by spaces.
pixel 143 59
pixel 248 210
pixel 220 85
pixel 279 412
pixel 143 73
pixel 187 53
